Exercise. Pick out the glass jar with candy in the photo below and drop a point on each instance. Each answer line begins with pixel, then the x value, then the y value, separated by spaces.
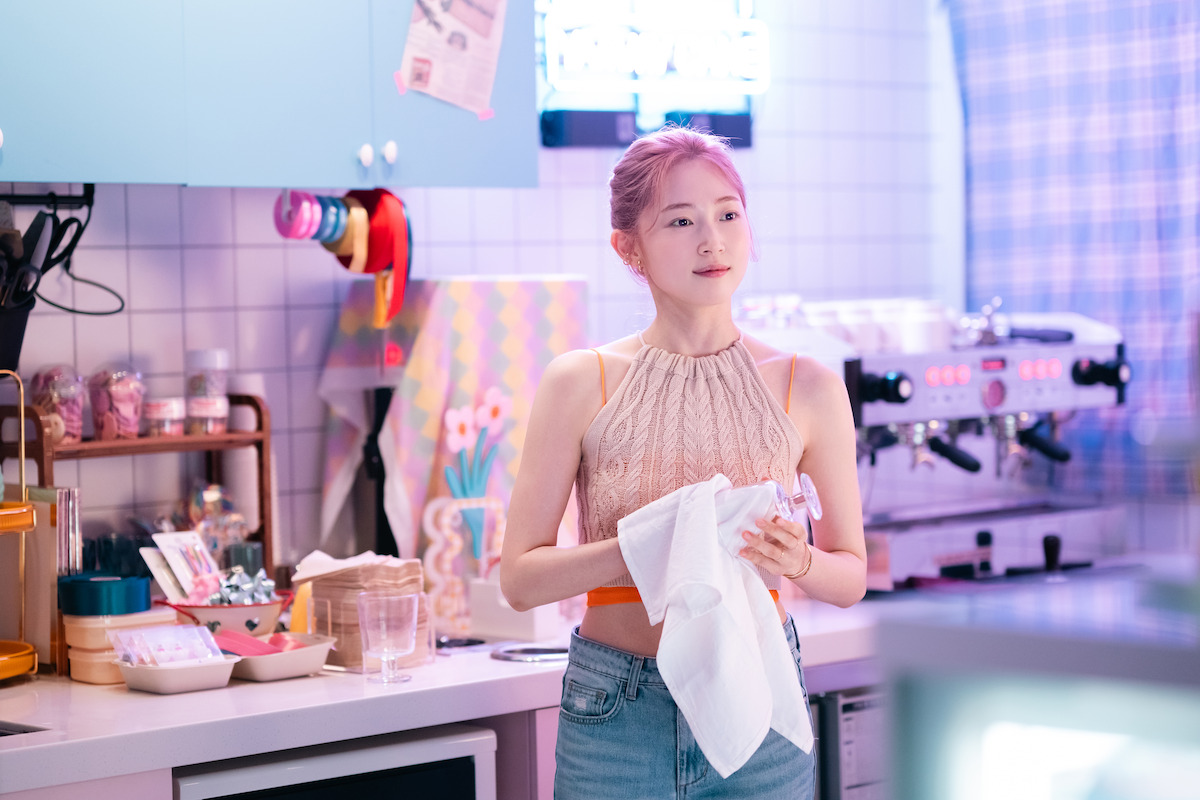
pixel 116 391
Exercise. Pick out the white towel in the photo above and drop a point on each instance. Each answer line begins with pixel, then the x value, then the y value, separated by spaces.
pixel 723 653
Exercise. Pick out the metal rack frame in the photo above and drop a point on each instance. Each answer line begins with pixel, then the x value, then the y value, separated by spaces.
pixel 54 199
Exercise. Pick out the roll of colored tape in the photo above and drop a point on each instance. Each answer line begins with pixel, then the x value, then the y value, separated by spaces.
pixel 343 216
pixel 314 215
pixel 295 218
pixel 91 594
pixel 356 217
pixel 328 219
pixel 359 233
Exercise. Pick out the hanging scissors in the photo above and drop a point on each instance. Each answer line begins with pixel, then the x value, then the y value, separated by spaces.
pixel 18 282
pixel 63 230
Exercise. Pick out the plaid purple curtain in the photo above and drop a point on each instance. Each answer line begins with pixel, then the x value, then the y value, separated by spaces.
pixel 1083 194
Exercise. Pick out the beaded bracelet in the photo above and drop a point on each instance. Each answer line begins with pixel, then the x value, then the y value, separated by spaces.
pixel 804 571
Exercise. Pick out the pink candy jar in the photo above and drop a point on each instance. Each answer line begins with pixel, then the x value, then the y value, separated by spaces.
pixel 58 390
pixel 116 392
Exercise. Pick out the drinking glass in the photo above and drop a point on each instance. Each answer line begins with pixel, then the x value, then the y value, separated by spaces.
pixel 388 623
pixel 791 507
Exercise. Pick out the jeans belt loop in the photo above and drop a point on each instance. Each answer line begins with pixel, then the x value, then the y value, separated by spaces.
pixel 635 672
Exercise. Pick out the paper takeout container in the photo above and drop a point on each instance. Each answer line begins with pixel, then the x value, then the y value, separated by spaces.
pixel 288 664
pixel 178 677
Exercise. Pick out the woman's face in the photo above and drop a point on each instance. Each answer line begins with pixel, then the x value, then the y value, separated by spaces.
pixel 695 241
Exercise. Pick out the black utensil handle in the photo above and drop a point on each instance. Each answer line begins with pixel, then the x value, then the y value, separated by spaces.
pixel 1047 447
pixel 1052 548
pixel 956 456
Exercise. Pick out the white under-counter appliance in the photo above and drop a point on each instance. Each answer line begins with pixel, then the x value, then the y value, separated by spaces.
pixel 450 761
pixel 950 410
pixel 851 727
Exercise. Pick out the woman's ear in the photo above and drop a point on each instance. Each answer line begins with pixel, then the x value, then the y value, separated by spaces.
pixel 625 245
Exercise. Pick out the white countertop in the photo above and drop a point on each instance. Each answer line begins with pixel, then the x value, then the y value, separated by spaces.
pixel 103 731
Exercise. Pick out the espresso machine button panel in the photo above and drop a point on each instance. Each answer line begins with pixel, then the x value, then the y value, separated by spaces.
pixel 986 381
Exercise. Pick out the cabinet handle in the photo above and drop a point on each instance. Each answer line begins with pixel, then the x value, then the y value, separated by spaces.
pixel 390 151
pixel 366 155
pixel 1 138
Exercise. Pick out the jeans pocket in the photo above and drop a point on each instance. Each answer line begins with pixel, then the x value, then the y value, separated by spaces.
pixel 589 696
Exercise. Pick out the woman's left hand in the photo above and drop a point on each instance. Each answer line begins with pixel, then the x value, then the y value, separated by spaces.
pixel 778 546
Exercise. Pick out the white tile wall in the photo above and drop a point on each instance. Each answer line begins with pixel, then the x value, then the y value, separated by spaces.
pixel 840 191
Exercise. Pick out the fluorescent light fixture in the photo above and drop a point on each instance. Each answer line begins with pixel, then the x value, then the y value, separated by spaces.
pixel 655 47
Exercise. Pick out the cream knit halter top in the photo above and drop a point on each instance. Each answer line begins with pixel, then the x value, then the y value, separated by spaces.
pixel 677 420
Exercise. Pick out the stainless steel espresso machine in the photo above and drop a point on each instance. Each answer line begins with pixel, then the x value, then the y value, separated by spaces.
pixel 950 414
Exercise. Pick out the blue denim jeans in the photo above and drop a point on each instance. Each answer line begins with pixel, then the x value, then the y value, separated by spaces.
pixel 620 735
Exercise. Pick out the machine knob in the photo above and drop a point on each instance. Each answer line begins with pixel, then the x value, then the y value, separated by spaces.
pixel 1115 373
pixel 994 393
pixel 891 387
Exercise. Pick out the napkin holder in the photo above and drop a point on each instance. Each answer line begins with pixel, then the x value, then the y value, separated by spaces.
pixel 493 618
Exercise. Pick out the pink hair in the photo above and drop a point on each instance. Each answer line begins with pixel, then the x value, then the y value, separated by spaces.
pixel 639 175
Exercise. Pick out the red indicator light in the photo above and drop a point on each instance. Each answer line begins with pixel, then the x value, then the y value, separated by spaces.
pixel 933 376
pixel 963 374
pixel 1054 368
pixel 993 364
pixel 948 375
pixel 1039 368
pixel 1025 370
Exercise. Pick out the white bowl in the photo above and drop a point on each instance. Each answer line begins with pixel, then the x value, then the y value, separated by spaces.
pixel 288 664
pixel 173 678
pixel 256 619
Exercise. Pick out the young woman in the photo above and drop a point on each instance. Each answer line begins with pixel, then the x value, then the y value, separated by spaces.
pixel 631 421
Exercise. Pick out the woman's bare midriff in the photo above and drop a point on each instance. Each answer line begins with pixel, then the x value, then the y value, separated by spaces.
pixel 625 626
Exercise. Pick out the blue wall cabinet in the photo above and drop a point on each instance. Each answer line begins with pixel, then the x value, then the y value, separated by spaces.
pixel 277 92
pixel 439 144
pixel 303 93
pixel 266 93
pixel 91 92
